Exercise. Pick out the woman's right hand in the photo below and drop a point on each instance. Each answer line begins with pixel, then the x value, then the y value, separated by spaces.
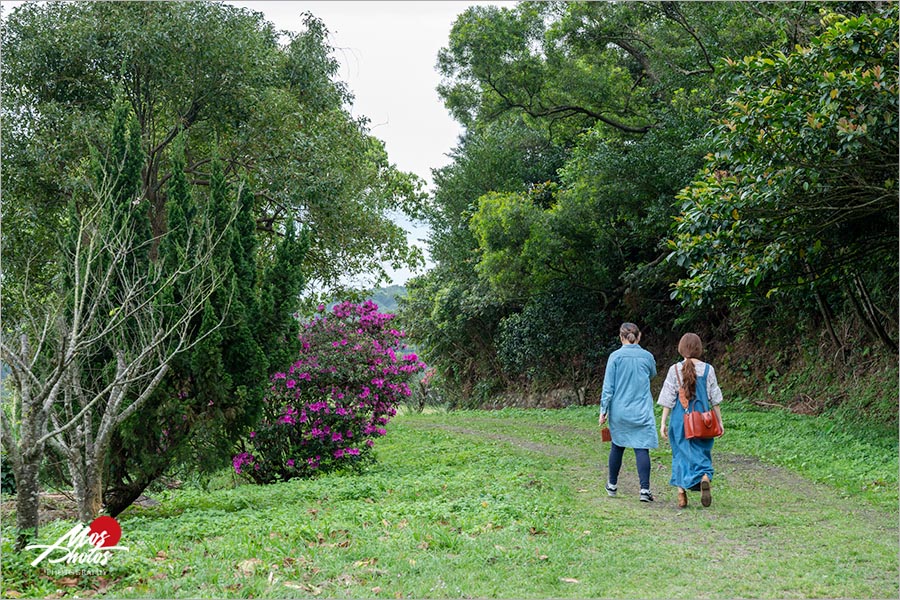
pixel 665 419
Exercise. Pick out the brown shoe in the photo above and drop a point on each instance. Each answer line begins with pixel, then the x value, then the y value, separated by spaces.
pixel 705 493
pixel 682 498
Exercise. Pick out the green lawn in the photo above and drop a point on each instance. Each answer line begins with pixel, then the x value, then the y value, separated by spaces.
pixel 510 504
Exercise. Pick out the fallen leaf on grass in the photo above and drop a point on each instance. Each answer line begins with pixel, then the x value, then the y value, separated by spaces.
pixel 310 589
pixel 67 581
pixel 248 567
pixel 568 580
pixel 366 562
pixel 543 557
pixel 376 590
pixel 101 584
pixel 159 576
pixel 13 594
pixel 161 556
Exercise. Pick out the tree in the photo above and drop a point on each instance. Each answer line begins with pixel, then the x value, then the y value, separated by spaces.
pixel 451 313
pixel 799 197
pixel 87 357
pixel 214 391
pixel 583 121
pixel 272 114
pixel 228 121
pixel 576 65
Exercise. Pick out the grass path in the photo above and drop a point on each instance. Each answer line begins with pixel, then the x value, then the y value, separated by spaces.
pixel 769 533
pixel 505 504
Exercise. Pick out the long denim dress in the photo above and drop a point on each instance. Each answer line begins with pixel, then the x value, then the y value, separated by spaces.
pixel 691 459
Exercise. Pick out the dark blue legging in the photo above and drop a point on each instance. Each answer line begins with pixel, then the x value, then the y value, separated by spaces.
pixel 641 457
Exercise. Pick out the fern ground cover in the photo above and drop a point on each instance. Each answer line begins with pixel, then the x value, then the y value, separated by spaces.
pixel 510 504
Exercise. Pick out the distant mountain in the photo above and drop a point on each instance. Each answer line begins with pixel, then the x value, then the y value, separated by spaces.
pixel 386 298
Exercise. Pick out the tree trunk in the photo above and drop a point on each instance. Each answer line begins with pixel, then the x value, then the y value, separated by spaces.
pixel 120 497
pixel 88 483
pixel 827 315
pixel 27 498
pixel 866 309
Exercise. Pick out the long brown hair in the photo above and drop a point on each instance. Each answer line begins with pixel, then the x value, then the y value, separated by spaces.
pixel 690 347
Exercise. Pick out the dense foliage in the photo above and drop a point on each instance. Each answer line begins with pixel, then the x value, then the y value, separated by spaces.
pixel 271 112
pixel 799 197
pixel 569 205
pixel 220 130
pixel 325 411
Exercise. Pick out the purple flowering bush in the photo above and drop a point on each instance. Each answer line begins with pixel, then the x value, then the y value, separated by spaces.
pixel 325 412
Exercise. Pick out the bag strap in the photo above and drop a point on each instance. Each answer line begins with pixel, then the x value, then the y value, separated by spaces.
pixel 682 397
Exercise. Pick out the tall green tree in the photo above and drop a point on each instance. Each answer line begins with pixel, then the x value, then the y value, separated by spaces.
pixel 87 356
pixel 214 392
pixel 272 112
pixel 623 93
pixel 451 312
pixel 798 199
pixel 233 127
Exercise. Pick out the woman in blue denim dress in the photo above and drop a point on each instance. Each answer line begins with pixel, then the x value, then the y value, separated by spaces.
pixel 691 459
pixel 626 402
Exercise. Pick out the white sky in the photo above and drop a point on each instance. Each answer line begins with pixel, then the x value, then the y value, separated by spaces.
pixel 388 56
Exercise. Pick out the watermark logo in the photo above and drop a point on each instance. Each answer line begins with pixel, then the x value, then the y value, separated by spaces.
pixel 83 545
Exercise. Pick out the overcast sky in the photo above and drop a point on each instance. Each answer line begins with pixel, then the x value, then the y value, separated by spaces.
pixel 388 54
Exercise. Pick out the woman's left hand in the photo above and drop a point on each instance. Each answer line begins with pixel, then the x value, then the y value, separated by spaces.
pixel 602 419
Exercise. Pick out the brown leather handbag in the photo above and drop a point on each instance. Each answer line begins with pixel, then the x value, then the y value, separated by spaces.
pixel 605 436
pixel 698 425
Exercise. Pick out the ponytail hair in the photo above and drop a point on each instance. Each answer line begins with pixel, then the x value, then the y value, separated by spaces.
pixel 690 347
pixel 630 333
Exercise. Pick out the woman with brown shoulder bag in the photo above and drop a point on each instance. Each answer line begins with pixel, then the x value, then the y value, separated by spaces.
pixel 691 395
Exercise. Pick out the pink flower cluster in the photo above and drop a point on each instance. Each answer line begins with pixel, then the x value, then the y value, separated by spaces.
pixel 328 407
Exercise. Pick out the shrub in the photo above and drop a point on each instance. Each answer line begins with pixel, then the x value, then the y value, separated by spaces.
pixel 326 410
